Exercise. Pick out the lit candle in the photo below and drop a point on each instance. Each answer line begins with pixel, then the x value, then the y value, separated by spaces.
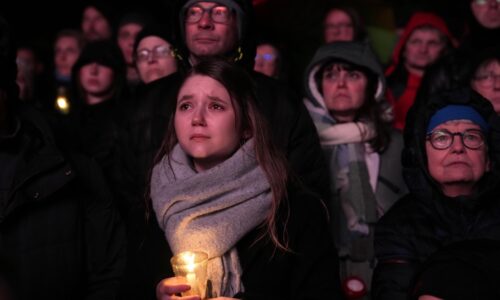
pixel 193 267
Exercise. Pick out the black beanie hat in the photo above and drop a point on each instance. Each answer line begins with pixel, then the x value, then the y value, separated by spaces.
pixel 8 67
pixel 104 53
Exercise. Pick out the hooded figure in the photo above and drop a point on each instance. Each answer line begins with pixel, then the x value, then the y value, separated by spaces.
pixel 402 85
pixel 363 152
pixel 432 215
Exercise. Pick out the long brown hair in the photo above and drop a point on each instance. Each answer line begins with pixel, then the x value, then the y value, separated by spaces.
pixel 241 89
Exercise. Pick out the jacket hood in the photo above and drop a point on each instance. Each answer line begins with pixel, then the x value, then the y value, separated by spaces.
pixel 418 19
pixel 356 53
pixel 246 33
pixel 414 157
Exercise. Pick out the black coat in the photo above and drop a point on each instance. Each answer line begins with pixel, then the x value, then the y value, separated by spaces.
pixel 58 227
pixel 426 220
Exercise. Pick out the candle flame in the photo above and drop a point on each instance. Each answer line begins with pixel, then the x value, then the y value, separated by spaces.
pixel 189 258
pixel 62 104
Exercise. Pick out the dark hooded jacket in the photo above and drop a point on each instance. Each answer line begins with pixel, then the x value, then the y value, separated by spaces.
pixel 426 220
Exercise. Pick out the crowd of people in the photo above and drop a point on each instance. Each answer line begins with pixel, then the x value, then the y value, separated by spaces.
pixel 149 140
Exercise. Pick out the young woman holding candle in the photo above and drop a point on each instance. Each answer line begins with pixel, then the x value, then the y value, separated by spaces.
pixel 220 186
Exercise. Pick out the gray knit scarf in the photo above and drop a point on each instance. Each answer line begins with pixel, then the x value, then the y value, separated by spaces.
pixel 212 210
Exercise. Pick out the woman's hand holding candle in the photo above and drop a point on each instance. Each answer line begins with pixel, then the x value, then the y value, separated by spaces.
pixel 169 287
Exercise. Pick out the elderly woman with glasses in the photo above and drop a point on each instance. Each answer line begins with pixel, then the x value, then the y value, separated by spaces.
pixel 450 163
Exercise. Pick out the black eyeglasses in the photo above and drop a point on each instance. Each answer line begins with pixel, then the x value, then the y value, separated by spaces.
pixel 443 139
pixel 218 14
pixel 486 80
pixel 157 52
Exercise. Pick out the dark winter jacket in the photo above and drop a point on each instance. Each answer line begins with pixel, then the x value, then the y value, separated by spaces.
pixel 426 220
pixel 58 227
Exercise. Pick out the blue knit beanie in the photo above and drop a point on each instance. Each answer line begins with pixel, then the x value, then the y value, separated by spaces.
pixel 456 112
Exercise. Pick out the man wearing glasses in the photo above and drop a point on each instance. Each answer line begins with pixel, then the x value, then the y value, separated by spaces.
pixel 210 28
pixel 225 28
pixel 451 167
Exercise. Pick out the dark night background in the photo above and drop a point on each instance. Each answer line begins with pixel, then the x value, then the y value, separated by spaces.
pixel 294 24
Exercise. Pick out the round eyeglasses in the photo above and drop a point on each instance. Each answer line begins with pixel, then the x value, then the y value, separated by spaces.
pixel 486 80
pixel 443 139
pixel 156 53
pixel 218 14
